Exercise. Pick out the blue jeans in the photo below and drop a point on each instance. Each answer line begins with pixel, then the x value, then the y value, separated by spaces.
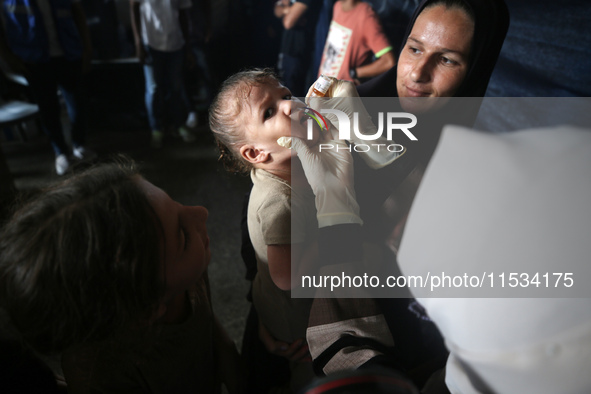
pixel 44 80
pixel 164 94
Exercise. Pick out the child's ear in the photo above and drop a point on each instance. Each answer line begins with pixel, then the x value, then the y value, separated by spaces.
pixel 253 155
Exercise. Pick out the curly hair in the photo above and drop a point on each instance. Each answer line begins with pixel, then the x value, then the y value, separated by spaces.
pixel 224 109
pixel 81 261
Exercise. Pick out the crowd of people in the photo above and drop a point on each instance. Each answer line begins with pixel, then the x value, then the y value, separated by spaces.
pixel 107 270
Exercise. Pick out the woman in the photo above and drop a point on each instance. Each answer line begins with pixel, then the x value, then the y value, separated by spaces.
pixel 449 50
pixel 423 74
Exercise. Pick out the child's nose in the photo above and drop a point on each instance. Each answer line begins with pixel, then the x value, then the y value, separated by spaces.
pixel 285 107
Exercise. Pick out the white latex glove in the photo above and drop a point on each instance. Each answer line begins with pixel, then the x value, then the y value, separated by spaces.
pixel 330 174
pixel 343 96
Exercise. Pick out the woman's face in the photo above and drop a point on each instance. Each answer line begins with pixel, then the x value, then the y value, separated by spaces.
pixel 434 60
pixel 184 241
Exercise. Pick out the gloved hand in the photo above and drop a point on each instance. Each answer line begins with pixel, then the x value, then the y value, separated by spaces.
pixel 343 96
pixel 330 174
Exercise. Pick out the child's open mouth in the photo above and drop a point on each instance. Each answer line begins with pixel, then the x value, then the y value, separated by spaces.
pixel 306 114
pixel 309 113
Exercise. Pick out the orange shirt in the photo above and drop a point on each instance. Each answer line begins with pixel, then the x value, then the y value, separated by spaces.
pixel 354 37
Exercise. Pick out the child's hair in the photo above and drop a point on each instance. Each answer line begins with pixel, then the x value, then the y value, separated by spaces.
pixel 82 260
pixel 224 109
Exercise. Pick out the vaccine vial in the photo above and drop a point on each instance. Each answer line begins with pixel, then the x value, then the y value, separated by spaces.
pixel 321 86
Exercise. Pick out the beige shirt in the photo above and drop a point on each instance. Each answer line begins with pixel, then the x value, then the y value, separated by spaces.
pixel 271 222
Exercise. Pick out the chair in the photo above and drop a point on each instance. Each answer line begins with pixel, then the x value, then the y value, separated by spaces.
pixel 16 113
pixel 15 108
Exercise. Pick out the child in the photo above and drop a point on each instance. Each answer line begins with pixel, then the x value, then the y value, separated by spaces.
pixel 251 111
pixel 108 269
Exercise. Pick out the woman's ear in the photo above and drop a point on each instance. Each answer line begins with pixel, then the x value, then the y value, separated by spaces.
pixel 253 155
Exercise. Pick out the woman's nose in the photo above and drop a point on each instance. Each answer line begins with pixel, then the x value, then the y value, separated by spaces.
pixel 421 71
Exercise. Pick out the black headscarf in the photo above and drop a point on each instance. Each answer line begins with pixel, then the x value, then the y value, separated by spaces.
pixel 491 22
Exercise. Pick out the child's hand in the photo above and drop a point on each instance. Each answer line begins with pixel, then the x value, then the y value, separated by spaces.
pixel 296 351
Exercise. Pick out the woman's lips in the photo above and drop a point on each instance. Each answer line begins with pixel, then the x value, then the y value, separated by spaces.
pixel 415 92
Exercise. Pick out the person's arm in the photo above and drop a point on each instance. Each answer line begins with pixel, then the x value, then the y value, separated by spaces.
pixel 136 27
pixel 290 15
pixel 379 66
pixel 281 8
pixel 80 21
pixel 374 36
pixel 280 261
pixel 279 257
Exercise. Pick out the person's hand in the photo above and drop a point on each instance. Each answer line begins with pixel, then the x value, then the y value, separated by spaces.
pixel 296 351
pixel 342 95
pixel 328 167
pixel 140 53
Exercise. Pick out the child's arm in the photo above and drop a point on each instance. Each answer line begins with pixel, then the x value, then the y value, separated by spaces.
pixel 136 27
pixel 280 259
pixel 229 364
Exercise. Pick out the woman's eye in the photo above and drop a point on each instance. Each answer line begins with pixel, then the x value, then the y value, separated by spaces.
pixel 448 61
pixel 414 50
pixel 287 97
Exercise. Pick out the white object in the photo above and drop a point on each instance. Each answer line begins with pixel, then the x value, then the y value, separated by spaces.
pixel 82 153
pixel 284 142
pixel 330 175
pixel 505 203
pixel 161 28
pixel 61 164
pixel 191 121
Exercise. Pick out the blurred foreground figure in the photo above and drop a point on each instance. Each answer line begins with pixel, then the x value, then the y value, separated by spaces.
pixel 501 205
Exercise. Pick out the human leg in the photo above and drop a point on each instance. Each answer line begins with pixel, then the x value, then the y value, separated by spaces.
pixel 176 101
pixel 42 78
pixel 69 78
pixel 152 97
pixel 43 83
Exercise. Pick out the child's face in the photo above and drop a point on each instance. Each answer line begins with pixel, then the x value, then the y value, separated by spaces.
pixel 184 243
pixel 271 113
